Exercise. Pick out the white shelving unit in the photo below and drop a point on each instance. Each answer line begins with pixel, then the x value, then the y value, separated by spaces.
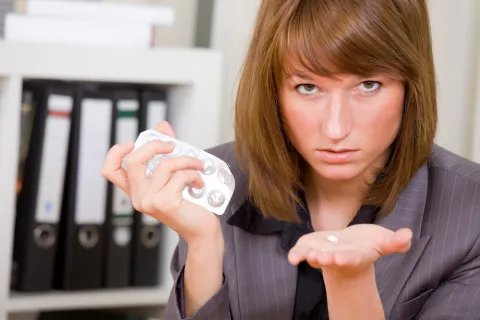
pixel 147 297
pixel 194 80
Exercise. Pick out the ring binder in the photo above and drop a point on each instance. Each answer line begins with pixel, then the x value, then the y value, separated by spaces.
pixel 44 148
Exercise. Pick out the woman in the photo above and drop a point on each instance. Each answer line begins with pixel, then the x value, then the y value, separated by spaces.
pixel 344 207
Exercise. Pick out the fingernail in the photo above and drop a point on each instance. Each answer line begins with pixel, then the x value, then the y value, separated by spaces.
pixel 171 144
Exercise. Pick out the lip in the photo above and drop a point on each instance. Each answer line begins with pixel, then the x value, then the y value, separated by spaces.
pixel 336 156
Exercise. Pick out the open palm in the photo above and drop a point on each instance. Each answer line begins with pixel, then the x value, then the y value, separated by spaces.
pixel 351 249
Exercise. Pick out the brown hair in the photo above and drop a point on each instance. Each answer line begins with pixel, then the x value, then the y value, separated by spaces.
pixel 326 37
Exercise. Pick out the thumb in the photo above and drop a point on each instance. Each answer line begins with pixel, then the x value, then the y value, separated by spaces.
pixel 165 128
pixel 398 242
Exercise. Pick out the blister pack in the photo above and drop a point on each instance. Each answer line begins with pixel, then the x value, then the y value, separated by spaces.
pixel 219 182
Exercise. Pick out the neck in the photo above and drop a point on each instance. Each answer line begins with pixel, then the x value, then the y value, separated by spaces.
pixel 328 191
pixel 334 203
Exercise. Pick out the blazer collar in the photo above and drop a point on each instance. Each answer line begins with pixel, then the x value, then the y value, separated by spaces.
pixel 250 219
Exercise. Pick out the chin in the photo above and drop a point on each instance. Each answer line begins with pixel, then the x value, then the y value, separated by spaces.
pixel 343 172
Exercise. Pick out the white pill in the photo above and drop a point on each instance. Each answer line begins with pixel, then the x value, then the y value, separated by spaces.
pixel 195 192
pixel 208 167
pixel 216 198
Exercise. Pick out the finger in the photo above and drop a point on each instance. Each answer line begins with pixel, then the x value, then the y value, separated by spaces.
pixel 168 166
pixel 318 258
pixel 136 168
pixel 180 180
pixel 311 255
pixel 135 161
pixel 114 157
pixel 341 256
pixel 146 152
pixel 397 242
pixel 112 166
pixel 402 240
pixel 297 254
pixel 170 198
pixel 165 128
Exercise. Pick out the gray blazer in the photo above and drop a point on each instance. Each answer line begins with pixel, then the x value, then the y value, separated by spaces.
pixel 438 278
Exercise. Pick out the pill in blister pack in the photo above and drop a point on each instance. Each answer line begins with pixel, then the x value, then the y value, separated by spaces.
pixel 219 182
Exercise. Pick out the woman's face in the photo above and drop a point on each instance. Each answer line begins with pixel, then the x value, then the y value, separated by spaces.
pixel 342 127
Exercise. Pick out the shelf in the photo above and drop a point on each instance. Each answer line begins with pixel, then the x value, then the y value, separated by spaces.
pixel 90 63
pixel 128 297
pixel 193 77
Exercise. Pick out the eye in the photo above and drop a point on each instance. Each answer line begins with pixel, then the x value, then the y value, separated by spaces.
pixel 307 89
pixel 370 86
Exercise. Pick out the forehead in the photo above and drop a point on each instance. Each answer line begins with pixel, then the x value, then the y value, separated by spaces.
pixel 293 69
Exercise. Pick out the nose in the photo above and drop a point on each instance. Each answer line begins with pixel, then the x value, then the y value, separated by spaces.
pixel 338 122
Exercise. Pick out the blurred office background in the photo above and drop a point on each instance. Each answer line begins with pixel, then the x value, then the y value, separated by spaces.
pixel 224 26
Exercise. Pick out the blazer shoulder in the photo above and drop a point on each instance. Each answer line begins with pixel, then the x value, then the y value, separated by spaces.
pixel 453 201
pixel 442 159
pixel 226 152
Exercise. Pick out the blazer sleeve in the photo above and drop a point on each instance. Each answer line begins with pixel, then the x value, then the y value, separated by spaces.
pixel 217 308
pixel 459 296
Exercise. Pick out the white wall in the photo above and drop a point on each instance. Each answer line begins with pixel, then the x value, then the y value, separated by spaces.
pixel 233 21
pixel 182 33
pixel 453 33
pixel 454 45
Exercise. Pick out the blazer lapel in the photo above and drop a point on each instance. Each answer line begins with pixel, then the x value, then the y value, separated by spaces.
pixel 393 271
pixel 264 280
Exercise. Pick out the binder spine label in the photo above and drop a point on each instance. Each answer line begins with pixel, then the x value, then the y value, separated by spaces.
pixel 149 221
pixel 127 129
pixel 122 204
pixel 90 204
pixel 54 159
pixel 156 112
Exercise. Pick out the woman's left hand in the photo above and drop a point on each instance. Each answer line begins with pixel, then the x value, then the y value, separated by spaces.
pixel 350 250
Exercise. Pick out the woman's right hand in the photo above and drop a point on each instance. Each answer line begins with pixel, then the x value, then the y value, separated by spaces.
pixel 160 195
